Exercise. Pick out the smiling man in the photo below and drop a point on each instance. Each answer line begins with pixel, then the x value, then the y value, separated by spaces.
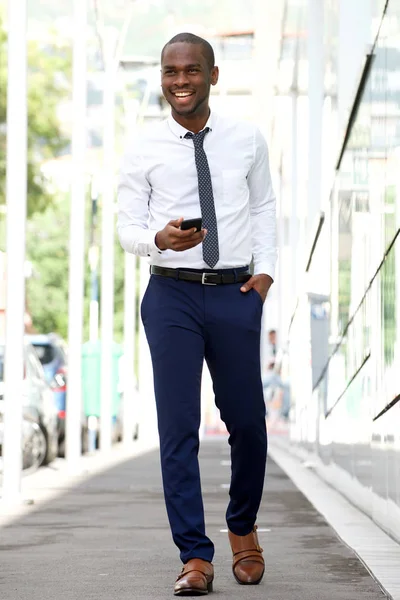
pixel 202 303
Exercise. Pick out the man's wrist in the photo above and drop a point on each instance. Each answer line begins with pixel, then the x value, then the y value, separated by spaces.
pixel 158 241
pixel 266 276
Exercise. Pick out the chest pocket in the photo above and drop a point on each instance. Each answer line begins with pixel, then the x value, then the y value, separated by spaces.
pixel 235 189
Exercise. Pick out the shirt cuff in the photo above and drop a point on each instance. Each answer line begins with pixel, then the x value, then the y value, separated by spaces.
pixel 150 240
pixel 265 268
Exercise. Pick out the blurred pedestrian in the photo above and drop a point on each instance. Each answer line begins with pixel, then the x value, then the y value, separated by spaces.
pixel 272 348
pixel 201 301
pixel 270 357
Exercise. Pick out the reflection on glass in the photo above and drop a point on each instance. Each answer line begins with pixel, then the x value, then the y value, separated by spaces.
pixel 388 281
pixel 344 258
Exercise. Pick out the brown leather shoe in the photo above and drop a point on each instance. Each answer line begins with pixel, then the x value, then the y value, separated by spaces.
pixel 196 578
pixel 248 564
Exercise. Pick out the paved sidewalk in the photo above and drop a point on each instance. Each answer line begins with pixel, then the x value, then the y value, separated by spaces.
pixel 108 539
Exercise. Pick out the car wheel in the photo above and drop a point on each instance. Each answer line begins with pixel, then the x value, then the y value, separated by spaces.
pixel 51 449
pixel 36 449
pixel 85 440
pixel 61 448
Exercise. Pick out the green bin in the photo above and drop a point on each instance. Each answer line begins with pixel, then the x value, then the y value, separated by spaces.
pixel 91 378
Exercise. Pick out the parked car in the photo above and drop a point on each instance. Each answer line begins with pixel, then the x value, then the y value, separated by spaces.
pixel 51 350
pixel 33 441
pixel 126 383
pixel 38 403
pixel 52 353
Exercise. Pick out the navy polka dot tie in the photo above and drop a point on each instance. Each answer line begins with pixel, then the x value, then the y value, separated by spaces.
pixel 210 242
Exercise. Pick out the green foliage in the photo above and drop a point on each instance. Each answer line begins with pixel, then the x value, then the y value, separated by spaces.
pixel 48 84
pixel 47 249
pixel 47 289
pixel 119 292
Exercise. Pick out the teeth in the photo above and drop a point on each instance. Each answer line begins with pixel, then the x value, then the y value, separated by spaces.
pixel 182 94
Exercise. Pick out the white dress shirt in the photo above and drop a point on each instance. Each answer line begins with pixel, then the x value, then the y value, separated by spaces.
pixel 158 183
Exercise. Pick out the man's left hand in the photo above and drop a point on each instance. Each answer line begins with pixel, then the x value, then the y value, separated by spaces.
pixel 261 283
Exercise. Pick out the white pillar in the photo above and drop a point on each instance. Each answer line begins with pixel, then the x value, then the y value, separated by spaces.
pixel 282 328
pixel 113 47
pixel 148 414
pixel 266 60
pixel 129 395
pixel 294 219
pixel 94 263
pixel 316 102
pixel 266 64
pixel 16 193
pixel 107 249
pixel 77 239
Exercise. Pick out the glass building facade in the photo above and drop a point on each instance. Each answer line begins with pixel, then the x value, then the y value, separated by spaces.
pixel 344 329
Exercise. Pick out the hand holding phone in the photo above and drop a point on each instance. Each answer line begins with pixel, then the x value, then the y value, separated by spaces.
pixel 192 224
pixel 180 235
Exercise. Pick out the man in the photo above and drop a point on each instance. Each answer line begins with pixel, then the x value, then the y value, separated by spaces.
pixel 201 302
pixel 270 377
pixel 272 343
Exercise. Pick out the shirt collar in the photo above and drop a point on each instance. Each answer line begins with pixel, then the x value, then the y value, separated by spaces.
pixel 180 131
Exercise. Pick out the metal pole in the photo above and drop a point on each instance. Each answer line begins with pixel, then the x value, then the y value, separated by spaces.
pixel 294 220
pixel 16 193
pixel 107 251
pixel 316 104
pixel 113 46
pixel 148 418
pixel 129 346
pixel 283 320
pixel 94 276
pixel 77 238
pixel 294 217
pixel 94 301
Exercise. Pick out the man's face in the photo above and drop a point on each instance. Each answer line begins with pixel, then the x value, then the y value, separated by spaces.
pixel 186 78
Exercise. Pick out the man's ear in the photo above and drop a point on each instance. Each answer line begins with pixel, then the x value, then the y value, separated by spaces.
pixel 214 76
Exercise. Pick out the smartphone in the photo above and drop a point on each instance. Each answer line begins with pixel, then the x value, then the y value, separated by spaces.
pixel 192 224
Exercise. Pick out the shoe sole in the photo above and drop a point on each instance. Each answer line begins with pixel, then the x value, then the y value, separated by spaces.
pixel 195 592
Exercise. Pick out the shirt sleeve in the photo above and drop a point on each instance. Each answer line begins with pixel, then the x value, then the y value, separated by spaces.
pixel 134 191
pixel 262 210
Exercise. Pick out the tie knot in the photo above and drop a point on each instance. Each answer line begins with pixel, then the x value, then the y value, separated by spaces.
pixel 198 138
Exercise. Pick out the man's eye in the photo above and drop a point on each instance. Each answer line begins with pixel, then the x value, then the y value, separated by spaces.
pixel 193 70
pixel 169 72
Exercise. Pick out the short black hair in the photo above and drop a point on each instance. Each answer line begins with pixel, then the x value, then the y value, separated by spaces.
pixel 190 38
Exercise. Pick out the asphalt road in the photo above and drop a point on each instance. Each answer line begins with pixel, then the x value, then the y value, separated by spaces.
pixel 108 539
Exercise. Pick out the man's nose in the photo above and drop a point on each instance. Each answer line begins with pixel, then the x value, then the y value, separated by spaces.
pixel 181 78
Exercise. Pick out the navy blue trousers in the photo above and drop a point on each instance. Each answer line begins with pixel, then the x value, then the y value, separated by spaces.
pixel 185 323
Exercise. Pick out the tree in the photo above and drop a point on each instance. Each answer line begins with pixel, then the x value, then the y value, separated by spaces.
pixel 47 249
pixel 47 288
pixel 48 85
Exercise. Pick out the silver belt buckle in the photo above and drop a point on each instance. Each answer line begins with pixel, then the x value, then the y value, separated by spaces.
pixel 203 279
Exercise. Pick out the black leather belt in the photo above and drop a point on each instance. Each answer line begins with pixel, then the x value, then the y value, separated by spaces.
pixel 204 277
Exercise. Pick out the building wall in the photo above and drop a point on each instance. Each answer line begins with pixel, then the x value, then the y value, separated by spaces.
pixel 349 414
